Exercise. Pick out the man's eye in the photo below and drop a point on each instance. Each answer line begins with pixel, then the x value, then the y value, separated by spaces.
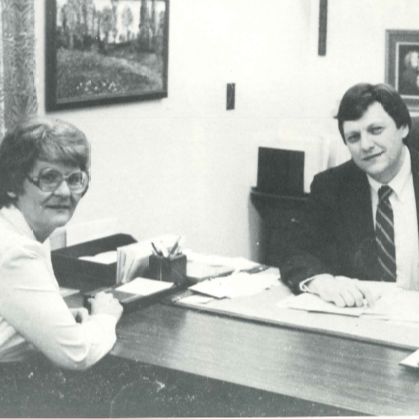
pixel 352 139
pixel 377 130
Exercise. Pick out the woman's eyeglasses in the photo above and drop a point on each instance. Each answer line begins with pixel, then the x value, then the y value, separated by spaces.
pixel 49 180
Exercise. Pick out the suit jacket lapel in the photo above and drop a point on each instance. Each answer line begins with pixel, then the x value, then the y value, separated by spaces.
pixel 414 155
pixel 357 208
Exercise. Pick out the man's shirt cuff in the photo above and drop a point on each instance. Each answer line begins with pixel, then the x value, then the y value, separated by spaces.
pixel 303 284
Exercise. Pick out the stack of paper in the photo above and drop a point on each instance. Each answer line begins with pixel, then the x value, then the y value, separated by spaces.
pixel 132 261
pixel 237 285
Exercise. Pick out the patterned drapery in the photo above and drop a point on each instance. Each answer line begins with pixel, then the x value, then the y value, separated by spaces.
pixel 17 62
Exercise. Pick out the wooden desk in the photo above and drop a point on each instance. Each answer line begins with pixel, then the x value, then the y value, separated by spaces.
pixel 331 371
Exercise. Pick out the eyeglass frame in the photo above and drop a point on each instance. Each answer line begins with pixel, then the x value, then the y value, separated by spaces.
pixel 35 180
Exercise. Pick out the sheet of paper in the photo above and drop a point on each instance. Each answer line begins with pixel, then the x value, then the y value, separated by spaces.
pixel 144 286
pixel 65 292
pixel 412 360
pixel 237 263
pixel 105 258
pixel 236 285
pixel 311 302
pixel 392 304
pixel 396 304
pixel 197 299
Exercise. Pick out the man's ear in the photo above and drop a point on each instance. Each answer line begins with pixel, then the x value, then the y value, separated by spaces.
pixel 405 131
pixel 11 194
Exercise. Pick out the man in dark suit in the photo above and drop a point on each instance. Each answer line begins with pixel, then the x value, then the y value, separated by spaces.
pixel 361 217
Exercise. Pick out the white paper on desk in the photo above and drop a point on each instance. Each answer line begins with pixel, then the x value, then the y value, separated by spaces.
pixel 144 286
pixel 237 263
pixel 396 304
pixel 392 304
pixel 197 299
pixel 412 360
pixel 311 302
pixel 106 258
pixel 236 285
pixel 211 260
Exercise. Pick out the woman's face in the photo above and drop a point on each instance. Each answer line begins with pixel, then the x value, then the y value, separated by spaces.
pixel 45 211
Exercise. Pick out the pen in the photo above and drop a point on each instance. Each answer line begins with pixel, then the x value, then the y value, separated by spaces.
pixel 158 252
pixel 172 250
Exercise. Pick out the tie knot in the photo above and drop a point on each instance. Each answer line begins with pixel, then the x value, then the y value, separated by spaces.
pixel 384 192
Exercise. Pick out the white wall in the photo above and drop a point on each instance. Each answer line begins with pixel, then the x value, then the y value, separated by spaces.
pixel 186 165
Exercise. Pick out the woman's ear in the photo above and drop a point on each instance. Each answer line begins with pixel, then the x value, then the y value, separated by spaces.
pixel 11 195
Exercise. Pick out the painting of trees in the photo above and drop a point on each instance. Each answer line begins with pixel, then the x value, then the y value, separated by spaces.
pixel 106 49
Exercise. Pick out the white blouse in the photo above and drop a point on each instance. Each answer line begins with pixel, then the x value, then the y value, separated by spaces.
pixel 33 315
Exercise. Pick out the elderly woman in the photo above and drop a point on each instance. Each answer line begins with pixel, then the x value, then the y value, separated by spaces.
pixel 44 172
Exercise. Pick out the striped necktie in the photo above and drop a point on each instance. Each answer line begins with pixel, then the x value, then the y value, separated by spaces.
pixel 384 233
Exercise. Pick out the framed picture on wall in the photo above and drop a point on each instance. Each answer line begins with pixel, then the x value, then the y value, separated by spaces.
pixel 402 64
pixel 101 52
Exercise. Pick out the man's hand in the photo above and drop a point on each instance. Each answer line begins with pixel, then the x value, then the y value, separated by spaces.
pixel 341 290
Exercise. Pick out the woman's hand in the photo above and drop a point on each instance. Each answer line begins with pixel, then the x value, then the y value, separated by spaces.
pixel 80 314
pixel 341 290
pixel 105 303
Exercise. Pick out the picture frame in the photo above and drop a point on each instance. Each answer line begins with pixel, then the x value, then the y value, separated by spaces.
pixel 402 65
pixel 103 52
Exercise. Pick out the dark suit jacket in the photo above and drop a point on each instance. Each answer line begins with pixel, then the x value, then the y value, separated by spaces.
pixel 337 235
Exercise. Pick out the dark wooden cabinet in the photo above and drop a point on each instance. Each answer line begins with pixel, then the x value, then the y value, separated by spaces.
pixel 277 217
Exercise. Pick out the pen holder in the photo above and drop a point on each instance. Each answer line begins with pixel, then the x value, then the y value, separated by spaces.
pixel 169 269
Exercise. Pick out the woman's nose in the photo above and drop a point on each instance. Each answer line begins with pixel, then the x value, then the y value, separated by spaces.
pixel 63 189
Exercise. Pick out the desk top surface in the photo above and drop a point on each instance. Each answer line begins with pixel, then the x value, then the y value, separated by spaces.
pixel 363 377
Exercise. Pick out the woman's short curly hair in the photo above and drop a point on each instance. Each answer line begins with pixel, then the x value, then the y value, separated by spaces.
pixel 38 138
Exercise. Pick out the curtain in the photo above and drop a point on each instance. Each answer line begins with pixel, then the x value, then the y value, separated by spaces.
pixel 17 62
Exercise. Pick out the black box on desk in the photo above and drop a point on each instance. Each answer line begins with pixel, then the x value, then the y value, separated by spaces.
pixel 169 269
pixel 72 272
pixel 280 172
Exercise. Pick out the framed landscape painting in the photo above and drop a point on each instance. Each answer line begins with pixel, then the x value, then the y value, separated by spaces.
pixel 101 52
pixel 402 64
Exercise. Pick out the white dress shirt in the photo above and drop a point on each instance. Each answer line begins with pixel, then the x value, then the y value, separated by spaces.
pixel 405 223
pixel 33 315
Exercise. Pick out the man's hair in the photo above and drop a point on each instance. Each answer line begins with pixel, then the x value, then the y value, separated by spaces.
pixel 38 138
pixel 360 97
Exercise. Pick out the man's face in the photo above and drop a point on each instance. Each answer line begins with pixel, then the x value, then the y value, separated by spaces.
pixel 375 143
